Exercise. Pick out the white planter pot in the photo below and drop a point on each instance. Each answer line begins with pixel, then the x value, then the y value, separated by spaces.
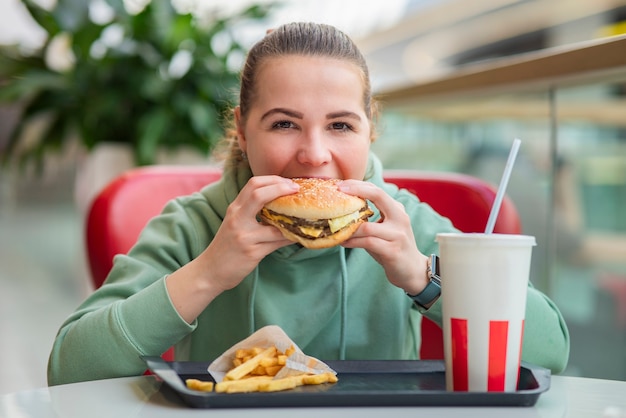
pixel 97 168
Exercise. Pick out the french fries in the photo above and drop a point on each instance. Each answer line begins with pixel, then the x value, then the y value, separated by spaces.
pixel 254 370
pixel 200 385
pixel 250 365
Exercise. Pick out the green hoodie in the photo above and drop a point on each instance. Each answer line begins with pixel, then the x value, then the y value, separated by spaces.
pixel 334 303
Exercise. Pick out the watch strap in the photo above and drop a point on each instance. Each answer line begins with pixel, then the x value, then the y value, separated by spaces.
pixel 433 288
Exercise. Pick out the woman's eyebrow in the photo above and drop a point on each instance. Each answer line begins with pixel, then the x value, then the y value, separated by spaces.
pixel 343 114
pixel 283 111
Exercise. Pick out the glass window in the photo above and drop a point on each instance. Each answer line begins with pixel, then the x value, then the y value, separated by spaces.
pixel 568 184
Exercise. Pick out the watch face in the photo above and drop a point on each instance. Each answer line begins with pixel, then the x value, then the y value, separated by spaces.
pixel 433 288
pixel 434 269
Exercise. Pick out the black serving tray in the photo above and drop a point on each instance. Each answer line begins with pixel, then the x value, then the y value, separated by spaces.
pixel 361 383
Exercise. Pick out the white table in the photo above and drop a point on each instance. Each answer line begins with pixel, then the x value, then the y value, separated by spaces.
pixel 140 397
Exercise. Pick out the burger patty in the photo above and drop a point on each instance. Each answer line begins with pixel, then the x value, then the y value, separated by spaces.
pixel 294 224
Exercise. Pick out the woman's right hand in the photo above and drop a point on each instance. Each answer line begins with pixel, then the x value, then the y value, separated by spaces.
pixel 242 241
pixel 239 245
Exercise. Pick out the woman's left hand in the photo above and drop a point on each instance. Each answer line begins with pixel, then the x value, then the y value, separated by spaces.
pixel 390 241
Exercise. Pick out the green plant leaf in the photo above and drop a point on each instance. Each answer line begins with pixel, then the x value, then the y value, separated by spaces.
pixel 117 6
pixel 84 39
pixel 180 29
pixel 71 15
pixel 30 84
pixel 123 94
pixel 204 119
pixel 151 128
pixel 45 19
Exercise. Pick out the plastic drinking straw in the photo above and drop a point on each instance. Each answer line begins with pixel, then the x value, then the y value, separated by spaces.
pixel 495 209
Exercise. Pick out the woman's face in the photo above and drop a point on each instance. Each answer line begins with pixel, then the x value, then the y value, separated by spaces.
pixel 307 120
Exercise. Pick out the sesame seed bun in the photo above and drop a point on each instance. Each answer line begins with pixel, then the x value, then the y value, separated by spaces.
pixel 316 199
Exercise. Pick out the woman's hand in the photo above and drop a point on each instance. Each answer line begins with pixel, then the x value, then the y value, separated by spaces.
pixel 390 241
pixel 239 245
pixel 242 242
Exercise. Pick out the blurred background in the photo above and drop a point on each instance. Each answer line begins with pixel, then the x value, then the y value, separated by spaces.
pixel 91 88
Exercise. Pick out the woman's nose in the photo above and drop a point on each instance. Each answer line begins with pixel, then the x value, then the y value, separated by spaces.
pixel 313 150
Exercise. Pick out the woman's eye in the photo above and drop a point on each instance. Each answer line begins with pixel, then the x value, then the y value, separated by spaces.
pixel 341 126
pixel 283 124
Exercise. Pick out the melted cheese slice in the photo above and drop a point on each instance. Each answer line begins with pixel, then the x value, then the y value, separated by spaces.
pixel 338 223
pixel 312 232
pixel 281 218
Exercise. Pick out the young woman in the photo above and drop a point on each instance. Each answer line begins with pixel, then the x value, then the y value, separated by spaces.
pixel 206 274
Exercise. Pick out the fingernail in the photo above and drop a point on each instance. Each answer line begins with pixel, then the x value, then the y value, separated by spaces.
pixel 292 184
pixel 343 186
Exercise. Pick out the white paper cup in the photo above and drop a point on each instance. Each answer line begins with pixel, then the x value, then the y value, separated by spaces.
pixel 484 279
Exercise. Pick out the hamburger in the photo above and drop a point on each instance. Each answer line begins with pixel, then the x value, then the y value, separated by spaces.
pixel 318 215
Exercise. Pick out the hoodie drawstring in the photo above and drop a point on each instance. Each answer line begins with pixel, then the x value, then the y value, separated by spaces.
pixel 344 303
pixel 255 282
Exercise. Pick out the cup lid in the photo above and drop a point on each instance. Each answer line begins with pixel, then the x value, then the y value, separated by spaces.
pixel 480 237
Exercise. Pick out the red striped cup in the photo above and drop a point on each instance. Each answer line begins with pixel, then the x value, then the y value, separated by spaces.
pixel 484 279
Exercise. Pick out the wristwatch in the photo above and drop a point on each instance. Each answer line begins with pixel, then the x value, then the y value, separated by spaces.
pixel 433 288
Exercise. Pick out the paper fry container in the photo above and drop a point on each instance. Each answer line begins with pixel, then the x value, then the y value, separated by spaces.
pixel 268 336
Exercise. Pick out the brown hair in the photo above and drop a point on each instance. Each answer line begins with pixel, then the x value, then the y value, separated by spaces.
pixel 305 39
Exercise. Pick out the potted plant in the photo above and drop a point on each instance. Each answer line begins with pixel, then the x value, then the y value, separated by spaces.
pixel 153 78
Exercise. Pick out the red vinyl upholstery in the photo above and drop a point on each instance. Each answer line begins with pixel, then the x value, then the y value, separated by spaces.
pixel 122 209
